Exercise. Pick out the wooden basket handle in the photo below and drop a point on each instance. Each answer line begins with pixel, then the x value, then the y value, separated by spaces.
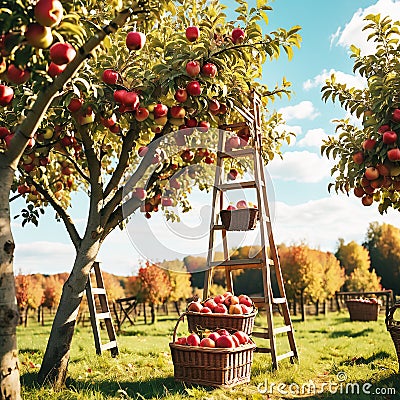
pixel 389 316
pixel 181 318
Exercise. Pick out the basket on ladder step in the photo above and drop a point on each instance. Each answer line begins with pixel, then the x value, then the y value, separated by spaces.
pixel 220 367
pixel 393 327
pixel 243 219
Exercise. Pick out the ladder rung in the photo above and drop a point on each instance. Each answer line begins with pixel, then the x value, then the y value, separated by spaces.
pixel 263 350
pixel 262 300
pixel 237 153
pixel 218 227
pixel 98 291
pixel 258 300
pixel 230 263
pixel 279 300
pixel 233 126
pixel 237 185
pixel 103 315
pixel 109 345
pixel 285 355
pixel 262 335
pixel 282 329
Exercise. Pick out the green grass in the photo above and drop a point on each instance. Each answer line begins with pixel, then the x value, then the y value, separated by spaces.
pixel 328 346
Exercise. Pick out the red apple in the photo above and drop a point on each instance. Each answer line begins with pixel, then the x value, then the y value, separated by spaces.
pixel 359 191
pixel 177 112
pixel 238 35
pixel 194 88
pixel 22 189
pixel 181 95
pixel 246 309
pixel 194 306
pixel 187 155
pixel 233 142
pixel 393 154
pixel 220 309
pixel 62 53
pixel 219 298
pixel 39 36
pixel 214 336
pixel 396 115
pixel 225 342
pixel 209 160
pixel 141 114
pixel 231 207
pixel 6 95
pixel 210 303
pixel 119 95
pixel 232 174
pixel 383 128
pixel 383 170
pixel 55 70
pixel 369 189
pixel 75 104
pixel 135 40
pixel 192 33
pixel 193 68
pixel 108 122
pixel 358 157
pixel 191 123
pixel 131 99
pixel 182 341
pixel 110 77
pixel 4 132
pixel 209 70
pixel 203 126
pixel 377 183
pixel 369 144
pixel 371 173
pixel 160 110
pixel 389 137
pixel 17 75
pixel 48 12
pixel 223 332
pixel 230 300
pixel 139 193
pixel 206 310
pixel 193 340
pixel 246 300
pixel 241 204
pixel 242 336
pixel 367 200
pixel 207 342
pixel 213 105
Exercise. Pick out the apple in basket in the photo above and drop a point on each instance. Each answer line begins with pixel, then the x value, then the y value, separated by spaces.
pixel 193 340
pixel 230 300
pixel 223 332
pixel 210 303
pixel 242 336
pixel 246 300
pixel 235 309
pixel 214 336
pixel 195 306
pixel 220 309
pixel 182 341
pixel 241 204
pixel 207 342
pixel 225 342
pixel 219 299
pixel 206 310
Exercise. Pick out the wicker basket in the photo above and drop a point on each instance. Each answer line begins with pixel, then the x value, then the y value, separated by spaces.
pixel 211 366
pixel 239 322
pixel 393 327
pixel 362 311
pixel 243 219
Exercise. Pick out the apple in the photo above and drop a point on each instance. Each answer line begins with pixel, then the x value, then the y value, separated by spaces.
pixel 110 77
pixel 236 340
pixel 238 35
pixel 232 174
pixel 383 170
pixel 369 144
pixel 233 142
pixel 377 183
pixel 119 95
pixel 17 75
pixel 214 336
pixel 131 99
pixel 358 157
pixel 210 303
pixel 75 104
pixel 230 300
pixel 246 309
pixel 182 341
pixel 192 33
pixel 39 36
pixel 393 154
pixel 139 193
pixel 135 40
pixel 225 342
pixel 223 332
pixel 141 114
pixel 203 126
pixel 181 95
pixel 194 88
pixel 206 310
pixel 193 340
pixel 235 309
pixel 85 119
pixel 389 137
pixel 207 342
pixel 195 306
pixel 55 70
pixel 209 160
pixel 223 108
pixel 367 200
pixel 241 204
pixel 246 300
pixel 22 189
pixel 62 53
pixel 108 122
pixel 48 12
pixel 209 70
pixel 383 128
pixel 177 112
pixel 371 173
pixel 193 68
pixel 369 189
pixel 396 115
pixel 242 336
pixel 6 95
pixel 219 299
pixel 359 191
pixel 191 122
pixel 187 155
pixel 166 201
pixel 160 110
pixel 213 105
pixel 220 308
pixel 231 207
pixel 4 132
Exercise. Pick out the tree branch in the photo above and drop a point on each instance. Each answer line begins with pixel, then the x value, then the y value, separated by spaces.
pixel 75 164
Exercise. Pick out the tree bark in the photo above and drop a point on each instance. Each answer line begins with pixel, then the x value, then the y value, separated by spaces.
pixel 153 313
pixel 302 306
pixel 55 361
pixel 10 388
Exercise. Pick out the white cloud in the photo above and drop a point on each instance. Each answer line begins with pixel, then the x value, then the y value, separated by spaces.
pixel 303 110
pixel 313 138
pixel 300 166
pixel 352 33
pixel 350 80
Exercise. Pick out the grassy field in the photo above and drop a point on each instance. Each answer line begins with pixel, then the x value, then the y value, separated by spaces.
pixel 334 353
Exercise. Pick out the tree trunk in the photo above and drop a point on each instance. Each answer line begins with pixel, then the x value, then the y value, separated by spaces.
pixel 144 313
pixel 317 308
pixel 10 388
pixel 55 361
pixel 302 306
pixel 153 313
pixel 294 305
pixel 176 303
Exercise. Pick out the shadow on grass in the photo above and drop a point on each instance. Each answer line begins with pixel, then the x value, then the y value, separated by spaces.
pixel 381 355
pixel 142 333
pixel 350 333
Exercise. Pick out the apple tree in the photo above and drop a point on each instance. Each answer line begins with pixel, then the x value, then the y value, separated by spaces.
pixel 368 156
pixel 177 69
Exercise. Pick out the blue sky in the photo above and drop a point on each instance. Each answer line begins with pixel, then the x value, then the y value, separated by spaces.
pixel 303 210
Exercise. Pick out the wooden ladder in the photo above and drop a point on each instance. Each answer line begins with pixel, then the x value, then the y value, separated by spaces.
pixel 269 260
pixel 100 311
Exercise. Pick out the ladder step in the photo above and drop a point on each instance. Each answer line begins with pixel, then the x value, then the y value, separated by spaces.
pixel 218 227
pixel 258 300
pixel 237 153
pixel 104 315
pixel 234 126
pixel 285 355
pixel 241 262
pixel 282 329
pixel 279 300
pixel 237 185
pixel 109 345
pixel 263 301
pixel 262 335
pixel 98 291
pixel 263 350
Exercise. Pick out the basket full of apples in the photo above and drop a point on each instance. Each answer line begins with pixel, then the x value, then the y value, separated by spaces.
pixel 242 217
pixel 222 311
pixel 363 309
pixel 220 358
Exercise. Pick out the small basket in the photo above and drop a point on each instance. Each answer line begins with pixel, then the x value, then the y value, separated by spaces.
pixel 211 366
pixel 243 219
pixel 393 327
pixel 362 311
pixel 239 322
